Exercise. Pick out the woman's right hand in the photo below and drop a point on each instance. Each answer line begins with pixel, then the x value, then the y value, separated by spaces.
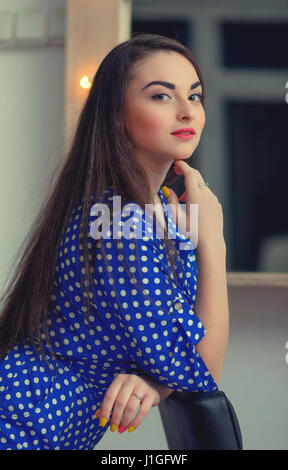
pixel 210 214
pixel 120 400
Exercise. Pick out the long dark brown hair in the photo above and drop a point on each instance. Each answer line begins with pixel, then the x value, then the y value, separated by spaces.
pixel 101 155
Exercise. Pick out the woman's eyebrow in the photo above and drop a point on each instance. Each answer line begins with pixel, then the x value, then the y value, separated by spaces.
pixel 170 85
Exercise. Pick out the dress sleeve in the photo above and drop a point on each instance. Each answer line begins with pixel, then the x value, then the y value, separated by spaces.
pixel 154 313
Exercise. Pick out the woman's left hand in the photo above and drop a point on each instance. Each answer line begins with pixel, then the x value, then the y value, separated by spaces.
pixel 120 396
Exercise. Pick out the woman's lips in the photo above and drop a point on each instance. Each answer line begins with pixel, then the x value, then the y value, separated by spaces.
pixel 185 133
pixel 184 136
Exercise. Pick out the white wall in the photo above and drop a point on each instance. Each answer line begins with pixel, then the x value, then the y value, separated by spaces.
pixel 31 120
pixel 255 374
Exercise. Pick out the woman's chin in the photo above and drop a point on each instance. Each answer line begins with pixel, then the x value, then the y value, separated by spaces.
pixel 183 157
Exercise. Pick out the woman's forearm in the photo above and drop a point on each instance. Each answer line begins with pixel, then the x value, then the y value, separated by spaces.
pixel 211 305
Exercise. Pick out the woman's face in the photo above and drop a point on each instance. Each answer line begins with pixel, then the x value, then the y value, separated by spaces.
pixel 153 112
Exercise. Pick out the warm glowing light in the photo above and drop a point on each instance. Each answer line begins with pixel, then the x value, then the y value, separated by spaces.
pixel 85 82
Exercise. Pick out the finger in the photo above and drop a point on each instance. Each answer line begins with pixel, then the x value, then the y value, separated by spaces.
pixel 181 166
pixel 180 215
pixel 103 413
pixel 191 175
pixel 183 197
pixel 144 409
pixel 131 411
pixel 172 199
pixel 124 408
pixel 191 183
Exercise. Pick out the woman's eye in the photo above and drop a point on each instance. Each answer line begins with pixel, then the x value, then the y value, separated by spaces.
pixel 155 97
pixel 200 97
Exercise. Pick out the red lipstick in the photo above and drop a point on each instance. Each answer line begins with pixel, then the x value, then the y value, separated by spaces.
pixel 187 133
pixel 185 129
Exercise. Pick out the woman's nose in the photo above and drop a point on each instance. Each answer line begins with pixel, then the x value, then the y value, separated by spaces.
pixel 185 113
pixel 186 117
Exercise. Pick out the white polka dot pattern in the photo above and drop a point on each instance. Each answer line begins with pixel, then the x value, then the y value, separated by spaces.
pixel 45 407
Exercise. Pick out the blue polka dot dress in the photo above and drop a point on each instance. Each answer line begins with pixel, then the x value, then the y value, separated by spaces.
pixel 140 322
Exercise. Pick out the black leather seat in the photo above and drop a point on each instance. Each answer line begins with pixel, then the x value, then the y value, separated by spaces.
pixel 186 425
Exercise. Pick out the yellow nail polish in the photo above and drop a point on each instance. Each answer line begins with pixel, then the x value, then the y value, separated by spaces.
pixel 97 413
pixel 131 429
pixel 113 427
pixel 165 191
pixel 103 422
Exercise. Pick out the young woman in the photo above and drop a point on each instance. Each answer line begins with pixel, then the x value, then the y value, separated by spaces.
pixel 101 317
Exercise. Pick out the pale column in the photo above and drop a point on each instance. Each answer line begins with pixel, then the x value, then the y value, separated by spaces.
pixel 93 28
